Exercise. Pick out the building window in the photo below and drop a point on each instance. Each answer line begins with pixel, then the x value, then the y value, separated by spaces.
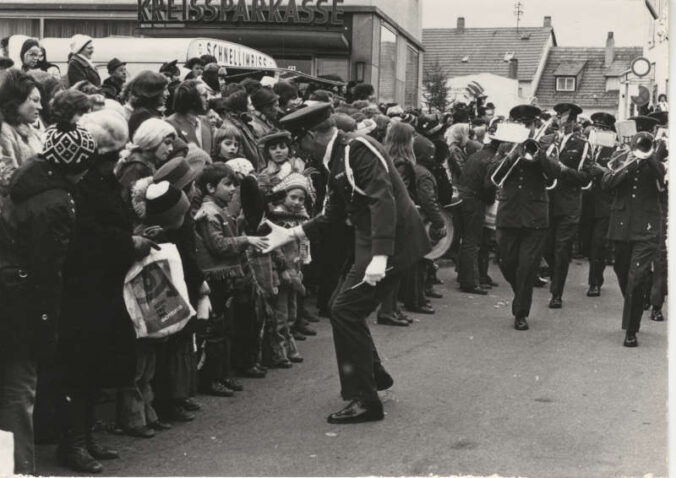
pixel 388 65
pixel 565 83
pixel 412 72
pixel 66 28
pixel 20 26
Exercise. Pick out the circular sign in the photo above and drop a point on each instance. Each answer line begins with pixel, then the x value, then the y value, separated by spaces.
pixel 640 67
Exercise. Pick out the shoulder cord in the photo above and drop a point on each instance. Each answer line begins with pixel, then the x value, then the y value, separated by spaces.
pixel 349 173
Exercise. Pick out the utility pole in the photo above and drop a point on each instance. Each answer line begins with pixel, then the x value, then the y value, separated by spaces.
pixel 518 13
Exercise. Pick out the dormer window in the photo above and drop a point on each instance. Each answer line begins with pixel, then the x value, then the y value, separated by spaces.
pixel 566 83
pixel 465 59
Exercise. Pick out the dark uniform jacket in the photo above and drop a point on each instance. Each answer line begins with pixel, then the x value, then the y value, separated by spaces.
pixel 79 69
pixel 35 237
pixel 473 181
pixel 636 211
pixel 385 219
pixel 566 197
pixel 524 202
pixel 427 196
pixel 599 200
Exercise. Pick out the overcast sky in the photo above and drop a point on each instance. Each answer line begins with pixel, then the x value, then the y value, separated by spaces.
pixel 576 22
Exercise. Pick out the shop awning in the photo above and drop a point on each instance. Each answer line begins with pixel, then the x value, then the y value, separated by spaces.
pixel 282 39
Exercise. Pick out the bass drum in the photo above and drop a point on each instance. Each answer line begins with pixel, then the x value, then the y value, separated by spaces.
pixel 440 248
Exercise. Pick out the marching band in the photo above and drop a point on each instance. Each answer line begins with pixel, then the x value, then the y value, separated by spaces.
pixel 542 167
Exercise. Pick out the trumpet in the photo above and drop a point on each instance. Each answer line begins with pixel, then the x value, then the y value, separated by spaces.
pixel 643 145
pixel 530 149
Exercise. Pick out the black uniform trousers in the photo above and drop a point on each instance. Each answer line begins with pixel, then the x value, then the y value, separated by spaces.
pixel 520 250
pixel 632 266
pixel 598 250
pixel 473 212
pixel 559 250
pixel 658 290
pixel 356 353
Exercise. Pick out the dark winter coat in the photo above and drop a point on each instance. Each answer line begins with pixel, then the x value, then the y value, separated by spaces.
pixel 37 229
pixel 112 87
pixel 79 69
pixel 427 196
pixel 96 336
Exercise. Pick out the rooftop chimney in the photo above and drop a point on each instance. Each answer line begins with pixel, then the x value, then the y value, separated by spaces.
pixel 514 68
pixel 548 22
pixel 610 50
pixel 461 24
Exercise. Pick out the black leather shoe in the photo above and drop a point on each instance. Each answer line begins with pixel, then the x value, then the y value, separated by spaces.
pixel 520 323
pixel 358 412
pixel 179 414
pixel 630 339
pixel 389 320
pixel 539 282
pixel 423 309
pixel 594 291
pixel 190 405
pixel 474 290
pixel 253 372
pixel 555 303
pixel 401 316
pixel 433 294
pixel 656 315
pixel 383 379
pixel 305 329
pixel 488 281
pixel 233 384
pixel 309 316
pixel 78 459
pixel 101 452
pixel 217 389
pixel 139 432
pixel 159 425
pixel 296 358
pixel 297 335
pixel 281 364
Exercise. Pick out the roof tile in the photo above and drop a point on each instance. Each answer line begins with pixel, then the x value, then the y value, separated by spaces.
pixel 486 48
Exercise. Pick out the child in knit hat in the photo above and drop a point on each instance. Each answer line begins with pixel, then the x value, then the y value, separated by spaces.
pixel 290 212
pixel 277 152
pixel 222 258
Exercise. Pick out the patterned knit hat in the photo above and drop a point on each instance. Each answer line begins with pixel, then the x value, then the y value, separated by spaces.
pixel 293 181
pixel 68 148
pixel 240 165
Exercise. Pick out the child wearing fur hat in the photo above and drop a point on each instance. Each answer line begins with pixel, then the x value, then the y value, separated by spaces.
pixel 221 255
pixel 276 148
pixel 290 212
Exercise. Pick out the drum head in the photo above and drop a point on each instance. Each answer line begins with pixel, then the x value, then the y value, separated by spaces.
pixel 440 248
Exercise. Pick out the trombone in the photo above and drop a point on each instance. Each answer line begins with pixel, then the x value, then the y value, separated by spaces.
pixel 643 145
pixel 530 147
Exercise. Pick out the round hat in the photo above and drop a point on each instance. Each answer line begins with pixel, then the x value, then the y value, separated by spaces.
pixel 304 119
pixel 108 128
pixel 263 97
pixel 344 122
pixel 69 149
pixel 423 148
pixel 165 204
pixel 177 172
pixel 644 123
pixel 170 67
pixel 114 64
pixel 192 62
pixel 78 42
pixel 240 165
pixel 605 120
pixel 275 136
pixel 661 116
pixel 571 108
pixel 524 113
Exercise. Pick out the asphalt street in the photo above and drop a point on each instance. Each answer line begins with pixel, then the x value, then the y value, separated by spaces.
pixel 472 396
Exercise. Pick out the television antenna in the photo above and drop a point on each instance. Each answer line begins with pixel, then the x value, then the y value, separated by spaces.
pixel 518 13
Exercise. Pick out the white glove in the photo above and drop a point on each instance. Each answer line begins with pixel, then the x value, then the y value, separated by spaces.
pixel 280 236
pixel 375 272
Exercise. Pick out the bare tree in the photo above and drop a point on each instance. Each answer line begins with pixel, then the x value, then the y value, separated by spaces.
pixel 435 89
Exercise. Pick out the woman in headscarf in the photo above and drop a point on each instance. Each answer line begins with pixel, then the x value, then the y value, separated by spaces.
pixel 80 66
pixel 151 146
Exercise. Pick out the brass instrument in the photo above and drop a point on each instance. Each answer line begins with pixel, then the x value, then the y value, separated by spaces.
pixel 643 146
pixel 531 146
pixel 599 138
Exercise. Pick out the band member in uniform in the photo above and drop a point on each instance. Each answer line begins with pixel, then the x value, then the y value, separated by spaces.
pixel 566 200
pixel 599 207
pixel 365 189
pixel 635 221
pixel 658 290
pixel 476 196
pixel 523 215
